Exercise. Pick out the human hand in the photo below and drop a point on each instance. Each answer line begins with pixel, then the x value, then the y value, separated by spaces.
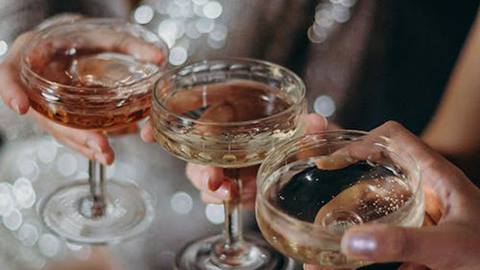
pixel 215 187
pixel 452 201
pixel 91 144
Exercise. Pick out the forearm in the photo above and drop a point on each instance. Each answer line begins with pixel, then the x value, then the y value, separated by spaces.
pixel 454 128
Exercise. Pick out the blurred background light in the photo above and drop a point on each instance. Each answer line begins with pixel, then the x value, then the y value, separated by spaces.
pixel 143 14
pixel 24 194
pixel 200 2
pixel 49 245
pixel 3 47
pixel 67 164
pixel 215 213
pixel 212 10
pixel 47 151
pixel 28 234
pixel 181 203
pixel 12 220
pixel 324 105
pixel 6 199
pixel 178 56
pixel 28 168
pixel 328 16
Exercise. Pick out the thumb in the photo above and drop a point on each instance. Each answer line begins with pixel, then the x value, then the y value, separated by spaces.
pixel 382 243
pixel 315 123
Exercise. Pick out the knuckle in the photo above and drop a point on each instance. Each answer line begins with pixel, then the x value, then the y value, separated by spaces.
pixel 402 246
pixel 393 125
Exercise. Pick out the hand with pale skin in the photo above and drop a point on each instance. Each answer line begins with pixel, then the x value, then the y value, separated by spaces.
pixel 92 144
pixel 452 201
pixel 215 187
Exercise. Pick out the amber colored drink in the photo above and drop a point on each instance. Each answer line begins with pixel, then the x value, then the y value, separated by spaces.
pixel 96 72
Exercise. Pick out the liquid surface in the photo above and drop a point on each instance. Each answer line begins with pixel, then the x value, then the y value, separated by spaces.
pixel 370 191
pixel 92 68
pixel 232 101
pixel 228 102
pixel 333 200
pixel 105 102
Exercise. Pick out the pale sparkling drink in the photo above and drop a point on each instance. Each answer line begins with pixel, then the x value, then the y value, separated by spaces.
pixel 230 114
pixel 94 74
pixel 313 189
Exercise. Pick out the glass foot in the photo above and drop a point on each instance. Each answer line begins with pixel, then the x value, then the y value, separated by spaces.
pixel 198 255
pixel 67 212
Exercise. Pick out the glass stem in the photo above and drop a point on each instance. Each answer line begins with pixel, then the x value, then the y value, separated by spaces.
pixel 96 181
pixel 233 211
pixel 232 251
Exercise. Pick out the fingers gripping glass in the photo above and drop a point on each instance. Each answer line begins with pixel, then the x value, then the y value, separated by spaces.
pixel 94 74
pixel 229 114
pixel 312 189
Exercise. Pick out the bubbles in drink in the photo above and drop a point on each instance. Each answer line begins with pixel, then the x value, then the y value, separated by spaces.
pixel 225 102
pixel 360 192
pixel 331 200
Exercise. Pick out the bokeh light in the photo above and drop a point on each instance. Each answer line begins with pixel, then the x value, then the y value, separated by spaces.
pixel 324 105
pixel 3 47
pixel 49 245
pixel 143 14
pixel 181 203
pixel 215 213
pixel 178 55
pixel 67 164
pixel 212 10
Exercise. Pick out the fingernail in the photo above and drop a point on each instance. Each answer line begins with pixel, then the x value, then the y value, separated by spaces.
pixel 101 158
pixel 223 192
pixel 359 245
pixel 94 146
pixel 15 106
pixel 211 184
pixel 325 121
pixel 206 181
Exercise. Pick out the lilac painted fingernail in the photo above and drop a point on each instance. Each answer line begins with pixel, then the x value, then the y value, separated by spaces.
pixel 359 245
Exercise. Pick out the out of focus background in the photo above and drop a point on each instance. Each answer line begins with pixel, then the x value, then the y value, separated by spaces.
pixel 364 62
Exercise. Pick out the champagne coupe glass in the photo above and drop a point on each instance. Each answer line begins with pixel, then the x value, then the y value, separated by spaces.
pixel 94 74
pixel 313 188
pixel 227 113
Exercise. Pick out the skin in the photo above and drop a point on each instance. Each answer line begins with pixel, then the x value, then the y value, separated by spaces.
pixel 92 144
pixel 452 202
pixel 450 197
pixel 214 186
pixel 454 129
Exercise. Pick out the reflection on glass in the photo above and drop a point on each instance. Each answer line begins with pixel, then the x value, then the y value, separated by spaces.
pixel 228 114
pixel 93 74
pixel 312 189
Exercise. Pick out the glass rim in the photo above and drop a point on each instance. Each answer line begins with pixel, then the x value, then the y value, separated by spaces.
pixel 316 226
pixel 160 43
pixel 168 74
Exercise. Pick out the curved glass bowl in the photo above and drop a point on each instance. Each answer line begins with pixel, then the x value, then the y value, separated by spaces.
pixel 218 141
pixel 312 189
pixel 228 113
pixel 94 74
